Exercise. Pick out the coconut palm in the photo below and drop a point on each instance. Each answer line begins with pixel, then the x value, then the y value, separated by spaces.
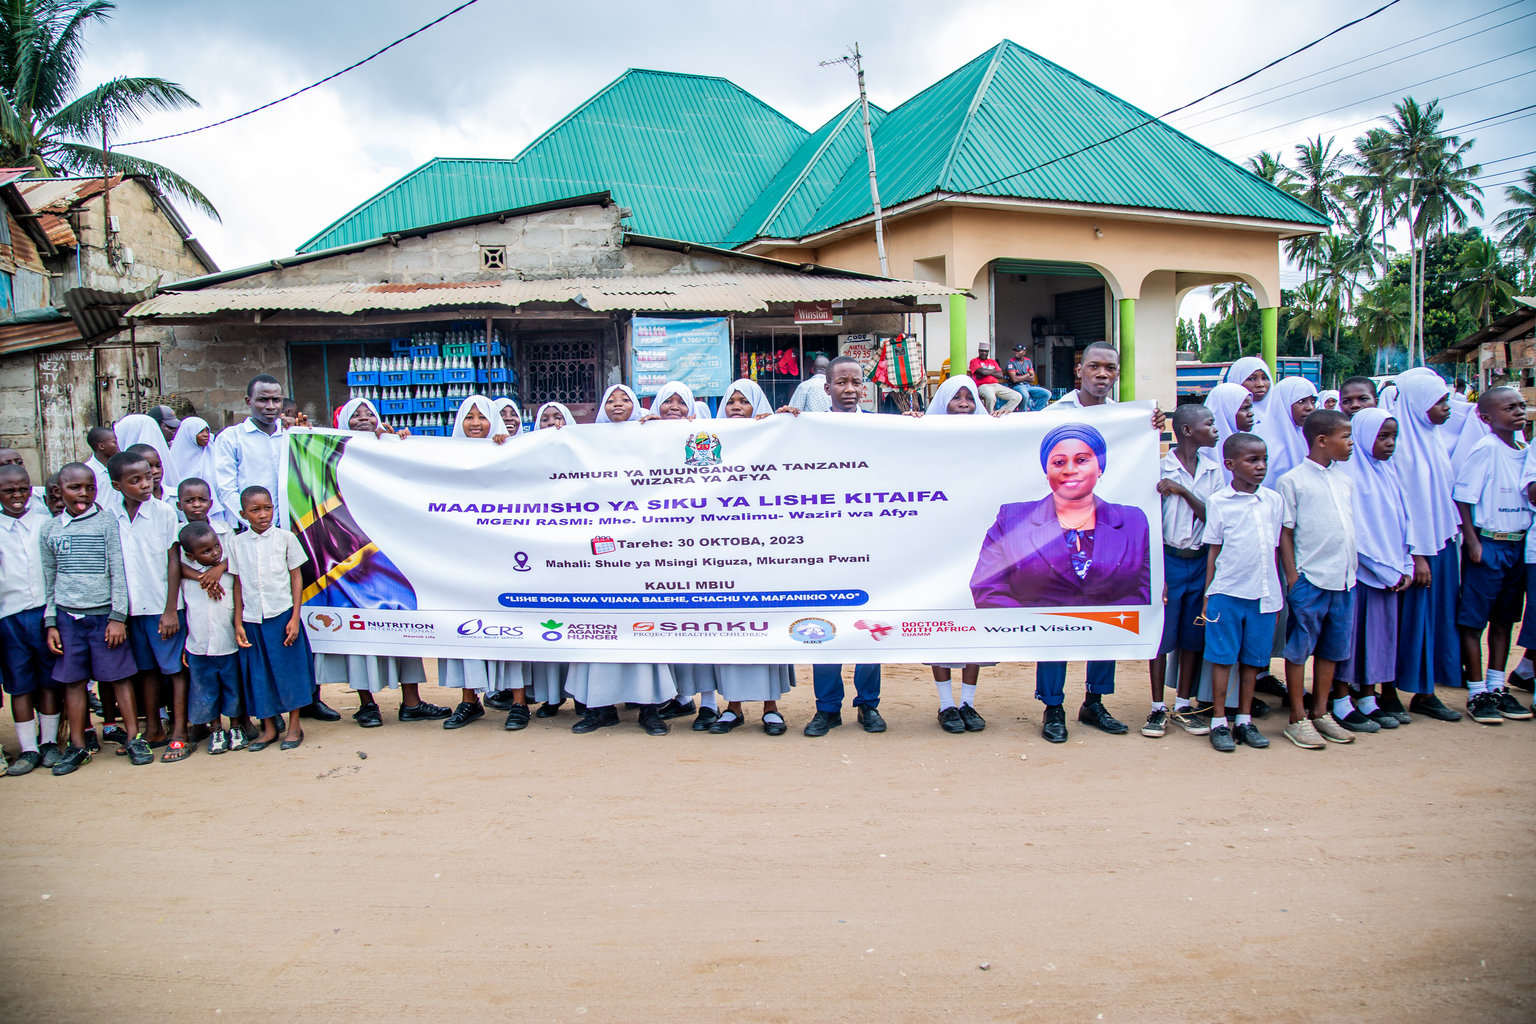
pixel 1482 288
pixel 1231 300
pixel 1319 181
pixel 46 122
pixel 1519 221
pixel 1269 167
pixel 1374 188
pixel 1310 313
pixel 1381 318
pixel 1340 261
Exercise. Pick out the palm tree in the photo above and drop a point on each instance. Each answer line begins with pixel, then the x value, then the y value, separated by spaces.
pixel 1519 221
pixel 1340 261
pixel 1318 181
pixel 1310 313
pixel 1231 300
pixel 1381 317
pixel 1481 286
pixel 46 123
pixel 1269 167
pixel 1374 188
pixel 1404 146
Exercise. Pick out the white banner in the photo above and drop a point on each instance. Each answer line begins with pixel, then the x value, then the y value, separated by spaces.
pixel 818 538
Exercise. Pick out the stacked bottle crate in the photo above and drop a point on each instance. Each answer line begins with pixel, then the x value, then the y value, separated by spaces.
pixel 430 373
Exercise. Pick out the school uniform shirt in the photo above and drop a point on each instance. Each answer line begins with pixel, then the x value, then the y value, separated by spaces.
pixel 21 563
pixel 1247 526
pixel 1320 510
pixel 263 562
pixel 210 623
pixel 1528 477
pixel 244 456
pixel 147 539
pixel 1073 400
pixel 104 489
pixel 1489 481
pixel 1180 527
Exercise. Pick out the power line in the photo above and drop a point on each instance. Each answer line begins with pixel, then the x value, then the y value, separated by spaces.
pixel 1366 71
pixel 1186 106
pixel 1492 117
pixel 316 85
pixel 1507 159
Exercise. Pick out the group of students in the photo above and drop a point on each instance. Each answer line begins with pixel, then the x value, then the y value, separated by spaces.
pixel 1401 523
pixel 185 607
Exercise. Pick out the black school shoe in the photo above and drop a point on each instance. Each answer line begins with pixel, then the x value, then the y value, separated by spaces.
pixel 1054 727
pixel 1430 706
pixel 1248 733
pixel 870 719
pixel 705 718
pixel 1270 684
pixel 651 722
pixel 1098 716
pixel 518 717
pixel 465 713
pixel 1358 721
pixel 822 722
pixel 320 711
pixel 724 723
pixel 972 719
pixel 950 720
pixel 423 712
pixel 25 762
pixel 547 710
pixel 73 758
pixel 51 753
pixel 593 719
pixel 674 708
pixel 501 700
pixel 368 716
pixel 1222 739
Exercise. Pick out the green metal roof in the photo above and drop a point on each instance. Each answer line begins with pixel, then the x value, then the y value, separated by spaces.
pixel 687 153
pixel 1011 109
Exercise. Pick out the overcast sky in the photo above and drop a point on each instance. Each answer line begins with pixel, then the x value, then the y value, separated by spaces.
pixel 488 80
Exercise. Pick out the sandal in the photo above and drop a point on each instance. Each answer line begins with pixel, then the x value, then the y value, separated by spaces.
pixel 177 750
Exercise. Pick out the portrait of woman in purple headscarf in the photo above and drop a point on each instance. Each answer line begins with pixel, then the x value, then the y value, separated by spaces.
pixel 1070 547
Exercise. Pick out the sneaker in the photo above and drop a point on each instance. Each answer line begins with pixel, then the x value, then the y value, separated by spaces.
pixel 423 712
pixel 518 717
pixel 950 720
pixel 501 700
pixel 72 759
pixel 1484 709
pixel 1221 739
pixel 1304 735
pixel 92 744
pixel 139 752
pixel 1192 720
pixel 238 740
pixel 1248 733
pixel 1356 721
pixel 1329 728
pixel 465 713
pixel 972 719
pixel 593 719
pixel 1509 707
pixel 50 754
pixel 1156 725
pixel 114 734
pixel 218 742
pixel 368 716
pixel 25 762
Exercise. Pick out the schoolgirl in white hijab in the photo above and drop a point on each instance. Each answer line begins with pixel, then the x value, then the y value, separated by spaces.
pixel 471 411
pixel 1328 400
pixel 192 454
pixel 1280 431
pixel 752 393
pixel 514 423
pixel 1260 385
pixel 553 416
pixel 613 404
pixel 945 394
pixel 140 429
pixel 1232 407
pixel 674 401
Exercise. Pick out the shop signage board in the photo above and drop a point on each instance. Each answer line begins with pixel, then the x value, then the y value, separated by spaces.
pixel 695 352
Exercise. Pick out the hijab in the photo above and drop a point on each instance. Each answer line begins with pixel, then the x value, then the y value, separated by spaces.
pixel 1422 463
pixel 486 409
pixel 1323 398
pixel 1074 432
pixel 1287 445
pixel 1381 526
pixel 949 389
pixel 635 412
pixel 344 416
pixel 507 403
pixel 1224 401
pixel 1241 371
pixel 675 388
pixel 752 392
pixel 1463 430
pixel 140 429
pixel 193 460
pixel 570 420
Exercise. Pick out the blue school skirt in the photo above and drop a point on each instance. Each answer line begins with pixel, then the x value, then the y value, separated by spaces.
pixel 275 679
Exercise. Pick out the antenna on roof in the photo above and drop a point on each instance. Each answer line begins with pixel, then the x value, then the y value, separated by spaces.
pixel 855 59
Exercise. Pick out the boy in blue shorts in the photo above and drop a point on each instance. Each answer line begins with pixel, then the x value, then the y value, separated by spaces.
pixel 1242 587
pixel 147 527
pixel 26 666
pixel 1495 518
pixel 1318 553
pixel 86 591
pixel 211 647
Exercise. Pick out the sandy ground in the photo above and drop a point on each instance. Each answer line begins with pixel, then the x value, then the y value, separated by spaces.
pixel 910 876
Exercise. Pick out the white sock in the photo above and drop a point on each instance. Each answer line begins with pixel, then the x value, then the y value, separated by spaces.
pixel 1525 668
pixel 1495 680
pixel 1244 719
pixel 1342 706
pixel 1368 705
pixel 707 700
pixel 26 732
pixel 968 694
pixel 1180 703
pixel 1219 723
pixel 946 693
pixel 1476 686
pixel 48 727
pixel 1158 705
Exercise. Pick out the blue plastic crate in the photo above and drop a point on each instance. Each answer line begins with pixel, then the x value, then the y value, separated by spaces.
pixel 500 375
pixel 434 431
pixel 395 406
pixel 424 352
pixel 486 348
pixel 426 376
pixel 400 346
pixel 458 375
pixel 429 404
pixel 362 379
pixel 395 378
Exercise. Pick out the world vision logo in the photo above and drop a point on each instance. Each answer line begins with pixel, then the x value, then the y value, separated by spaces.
pixel 1128 621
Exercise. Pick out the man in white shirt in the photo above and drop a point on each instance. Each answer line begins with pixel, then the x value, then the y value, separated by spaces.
pixel 811 394
pixel 25 663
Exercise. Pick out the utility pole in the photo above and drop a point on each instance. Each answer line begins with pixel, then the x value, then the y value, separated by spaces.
pixel 855 59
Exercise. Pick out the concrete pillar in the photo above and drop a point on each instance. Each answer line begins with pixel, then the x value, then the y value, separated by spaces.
pixel 1269 337
pixel 1127 350
pixel 959 354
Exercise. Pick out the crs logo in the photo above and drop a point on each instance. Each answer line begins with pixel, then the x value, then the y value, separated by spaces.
pixel 876 630
pixel 479 627
pixel 325 622
pixel 552 630
pixel 812 631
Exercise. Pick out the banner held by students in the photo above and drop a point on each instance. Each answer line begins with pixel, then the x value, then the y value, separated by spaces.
pixel 818 538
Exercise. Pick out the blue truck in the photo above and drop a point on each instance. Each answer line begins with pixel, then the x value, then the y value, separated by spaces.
pixel 1195 380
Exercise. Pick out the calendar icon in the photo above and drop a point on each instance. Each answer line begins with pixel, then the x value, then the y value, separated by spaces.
pixel 603 545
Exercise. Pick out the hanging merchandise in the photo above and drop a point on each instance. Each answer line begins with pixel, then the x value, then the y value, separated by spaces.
pixel 788 366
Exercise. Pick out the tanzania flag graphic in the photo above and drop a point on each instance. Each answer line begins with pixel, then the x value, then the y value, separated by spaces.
pixel 345 569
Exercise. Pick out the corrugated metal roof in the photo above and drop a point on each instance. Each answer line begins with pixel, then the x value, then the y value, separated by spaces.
pixel 27 335
pixel 60 195
pixel 723 292
pixel 687 153
pixel 1011 109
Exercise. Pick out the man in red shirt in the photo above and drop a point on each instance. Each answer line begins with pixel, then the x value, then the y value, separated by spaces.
pixel 986 373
